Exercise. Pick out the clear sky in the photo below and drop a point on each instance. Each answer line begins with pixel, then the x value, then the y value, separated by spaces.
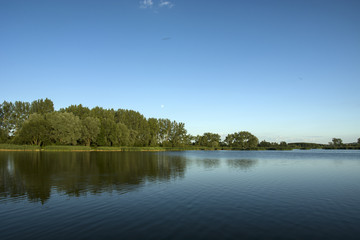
pixel 284 70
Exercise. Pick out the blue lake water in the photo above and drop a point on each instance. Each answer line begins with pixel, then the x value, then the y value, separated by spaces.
pixel 312 194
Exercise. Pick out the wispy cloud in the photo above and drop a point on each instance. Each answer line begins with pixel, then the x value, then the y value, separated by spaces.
pixel 146 4
pixel 166 4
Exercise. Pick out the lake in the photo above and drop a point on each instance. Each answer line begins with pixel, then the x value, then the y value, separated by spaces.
pixel 312 194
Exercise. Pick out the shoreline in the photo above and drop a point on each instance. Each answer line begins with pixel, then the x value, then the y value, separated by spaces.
pixel 157 150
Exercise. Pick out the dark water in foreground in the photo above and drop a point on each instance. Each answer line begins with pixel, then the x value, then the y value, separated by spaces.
pixel 180 195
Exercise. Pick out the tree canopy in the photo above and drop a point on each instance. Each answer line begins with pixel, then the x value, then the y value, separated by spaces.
pixel 37 123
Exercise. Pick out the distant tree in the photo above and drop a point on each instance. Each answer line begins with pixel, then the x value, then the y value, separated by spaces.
pixel 358 142
pixel 123 135
pixel 283 144
pixel 178 134
pixel 77 110
pixel 21 112
pixel 337 142
pixel 7 122
pixel 102 113
pixel 264 144
pixel 3 136
pixel 65 127
pixel 12 116
pixel 229 140
pixel 42 106
pixel 37 123
pixel 90 129
pixel 154 130
pixel 208 140
pixel 137 123
pixel 244 140
pixel 188 140
pixel 35 131
pixel 108 135
pixel 165 128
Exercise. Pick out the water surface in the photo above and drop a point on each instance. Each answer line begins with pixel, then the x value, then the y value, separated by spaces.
pixel 176 195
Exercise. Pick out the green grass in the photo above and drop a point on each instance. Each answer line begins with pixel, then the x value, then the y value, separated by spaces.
pixel 127 149
pixel 188 148
pixel 19 147
pixel 54 148
pixel 66 148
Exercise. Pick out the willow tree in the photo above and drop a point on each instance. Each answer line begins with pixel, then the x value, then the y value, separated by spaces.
pixel 35 130
pixel 42 106
pixel 65 128
pixel 243 139
pixel 208 140
pixel 90 129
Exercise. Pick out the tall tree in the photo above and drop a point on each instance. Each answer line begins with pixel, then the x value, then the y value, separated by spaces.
pixel 165 128
pixel 337 142
pixel 35 130
pixel 137 123
pixel 7 122
pixel 208 140
pixel 178 136
pixel 3 136
pixel 243 139
pixel 42 106
pixel 123 135
pixel 65 127
pixel 154 129
pixel 21 112
pixel 109 132
pixel 78 110
pixel 90 129
pixel 264 144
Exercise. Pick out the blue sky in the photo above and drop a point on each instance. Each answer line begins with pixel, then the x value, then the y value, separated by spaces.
pixel 284 70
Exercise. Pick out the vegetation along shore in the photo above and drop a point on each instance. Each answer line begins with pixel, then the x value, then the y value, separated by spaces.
pixel 37 126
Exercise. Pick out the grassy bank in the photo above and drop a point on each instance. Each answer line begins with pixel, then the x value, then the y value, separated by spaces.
pixel 65 148
pixel 13 147
pixel 61 148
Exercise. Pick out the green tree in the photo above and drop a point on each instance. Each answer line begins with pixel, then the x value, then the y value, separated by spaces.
pixel 3 136
pixel 102 113
pixel 264 144
pixel 243 139
pixel 35 131
pixel 208 140
pixel 109 133
pixel 137 123
pixel 65 127
pixel 154 130
pixel 229 140
pixel 165 128
pixel 90 129
pixel 7 122
pixel 123 135
pixel 337 142
pixel 12 116
pixel 178 134
pixel 78 110
pixel 20 113
pixel 42 106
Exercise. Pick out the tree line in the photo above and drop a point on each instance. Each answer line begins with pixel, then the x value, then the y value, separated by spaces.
pixel 37 123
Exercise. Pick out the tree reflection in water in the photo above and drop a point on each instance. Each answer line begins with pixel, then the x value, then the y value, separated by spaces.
pixel 35 174
pixel 242 164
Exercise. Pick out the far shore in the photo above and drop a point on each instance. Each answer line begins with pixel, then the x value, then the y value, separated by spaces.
pixel 60 148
